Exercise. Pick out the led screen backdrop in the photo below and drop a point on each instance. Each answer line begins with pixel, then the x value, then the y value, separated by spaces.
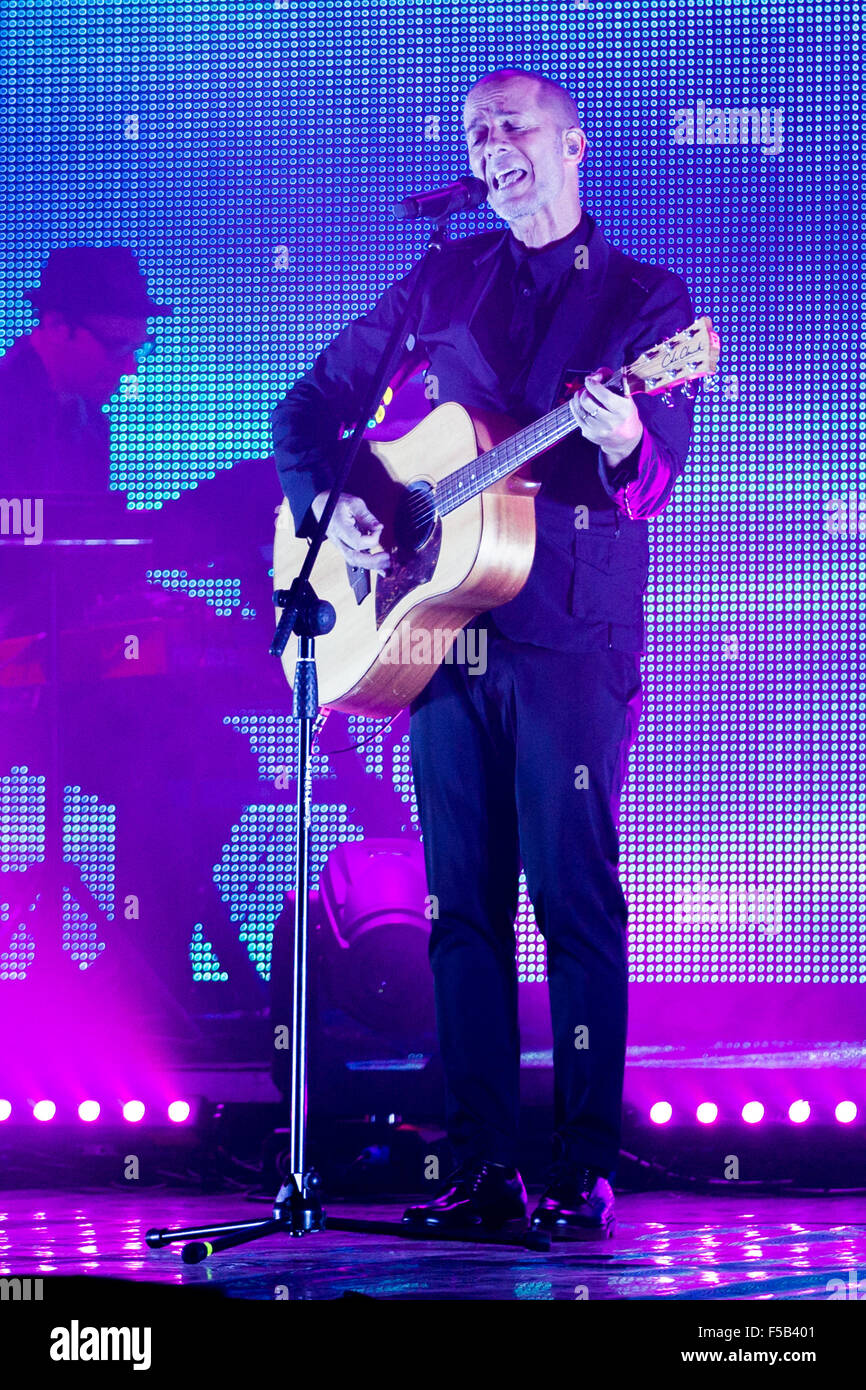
pixel 249 152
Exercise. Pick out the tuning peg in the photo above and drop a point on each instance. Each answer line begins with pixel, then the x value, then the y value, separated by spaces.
pixel 668 400
pixel 688 389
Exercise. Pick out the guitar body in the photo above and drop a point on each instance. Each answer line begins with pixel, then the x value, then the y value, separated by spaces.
pixel 384 648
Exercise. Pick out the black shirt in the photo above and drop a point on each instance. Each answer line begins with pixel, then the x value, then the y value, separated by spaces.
pixel 520 307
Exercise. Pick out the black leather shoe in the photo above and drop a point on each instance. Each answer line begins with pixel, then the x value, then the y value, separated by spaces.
pixel 577 1205
pixel 478 1196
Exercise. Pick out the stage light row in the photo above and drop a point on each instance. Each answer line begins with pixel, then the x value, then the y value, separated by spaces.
pixel 753 1112
pixel 133 1111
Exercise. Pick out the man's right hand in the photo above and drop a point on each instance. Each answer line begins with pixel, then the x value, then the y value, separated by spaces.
pixel 355 531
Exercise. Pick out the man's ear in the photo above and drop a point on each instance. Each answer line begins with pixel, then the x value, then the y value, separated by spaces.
pixel 574 143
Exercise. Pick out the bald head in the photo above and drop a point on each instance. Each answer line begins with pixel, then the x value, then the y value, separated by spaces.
pixel 549 94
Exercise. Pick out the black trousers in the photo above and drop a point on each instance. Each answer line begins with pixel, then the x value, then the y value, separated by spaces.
pixel 527 761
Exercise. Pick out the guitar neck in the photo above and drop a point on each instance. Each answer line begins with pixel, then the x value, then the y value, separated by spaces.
pixel 512 453
pixel 676 362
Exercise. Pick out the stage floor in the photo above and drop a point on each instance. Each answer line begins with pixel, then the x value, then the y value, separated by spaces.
pixel 668 1246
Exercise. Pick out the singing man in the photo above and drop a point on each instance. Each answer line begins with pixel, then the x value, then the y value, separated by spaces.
pixel 525 763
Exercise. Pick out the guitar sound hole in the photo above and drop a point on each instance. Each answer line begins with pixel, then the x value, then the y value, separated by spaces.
pixel 415 518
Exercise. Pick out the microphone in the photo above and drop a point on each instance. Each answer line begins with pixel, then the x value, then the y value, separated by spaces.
pixel 463 195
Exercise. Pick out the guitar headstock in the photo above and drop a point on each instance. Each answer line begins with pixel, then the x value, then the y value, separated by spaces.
pixel 685 356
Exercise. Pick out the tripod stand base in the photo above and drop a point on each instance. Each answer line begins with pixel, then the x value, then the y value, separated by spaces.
pixel 297 1212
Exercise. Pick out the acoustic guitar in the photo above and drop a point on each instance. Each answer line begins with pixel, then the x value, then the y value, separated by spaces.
pixel 456 499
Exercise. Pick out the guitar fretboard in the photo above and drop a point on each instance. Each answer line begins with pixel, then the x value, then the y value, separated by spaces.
pixel 687 355
pixel 488 468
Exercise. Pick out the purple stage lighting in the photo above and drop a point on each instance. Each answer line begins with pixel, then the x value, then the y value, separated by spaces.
pixel 133 1111
pixel 799 1111
pixel 845 1112
pixel 661 1112
pixel 178 1111
pixel 44 1110
pixel 753 1112
pixel 88 1110
pixel 707 1113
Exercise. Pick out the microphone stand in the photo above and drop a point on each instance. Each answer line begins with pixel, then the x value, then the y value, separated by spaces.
pixel 297 1208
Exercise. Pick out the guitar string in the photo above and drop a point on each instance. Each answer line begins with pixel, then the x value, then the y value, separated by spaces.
pixel 488 466
pixel 460 485
pixel 473 477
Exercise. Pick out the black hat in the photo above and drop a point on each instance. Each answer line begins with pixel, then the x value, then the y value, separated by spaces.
pixel 95 280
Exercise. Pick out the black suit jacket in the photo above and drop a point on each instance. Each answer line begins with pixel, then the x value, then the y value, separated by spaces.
pixel 585 590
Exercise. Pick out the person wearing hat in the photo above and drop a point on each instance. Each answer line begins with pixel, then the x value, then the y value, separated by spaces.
pixel 93 308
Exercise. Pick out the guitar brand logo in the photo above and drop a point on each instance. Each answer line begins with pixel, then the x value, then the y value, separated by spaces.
pixel 683 353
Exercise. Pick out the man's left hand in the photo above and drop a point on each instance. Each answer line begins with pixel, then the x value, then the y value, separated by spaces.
pixel 609 420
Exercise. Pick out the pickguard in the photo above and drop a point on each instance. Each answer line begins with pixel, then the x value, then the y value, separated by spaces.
pixel 403 578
